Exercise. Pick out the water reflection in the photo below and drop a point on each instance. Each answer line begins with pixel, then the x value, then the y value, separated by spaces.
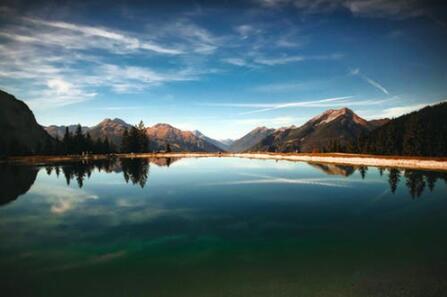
pixel 415 180
pixel 393 179
pixel 333 169
pixel 135 170
pixel 16 180
pixel 272 226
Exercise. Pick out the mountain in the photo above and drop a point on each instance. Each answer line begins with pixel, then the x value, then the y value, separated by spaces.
pixel 162 134
pixel 227 141
pixel 420 133
pixel 377 123
pixel 319 133
pixel 249 140
pixel 19 131
pixel 215 142
pixel 112 129
pixel 159 136
pixel 59 131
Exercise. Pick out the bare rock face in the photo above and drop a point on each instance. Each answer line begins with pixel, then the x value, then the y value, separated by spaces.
pixel 112 129
pixel 160 135
pixel 341 125
pixel 19 131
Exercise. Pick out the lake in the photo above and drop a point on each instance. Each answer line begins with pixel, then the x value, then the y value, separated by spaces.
pixel 221 227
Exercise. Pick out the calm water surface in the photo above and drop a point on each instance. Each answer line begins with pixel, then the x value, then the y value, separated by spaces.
pixel 221 227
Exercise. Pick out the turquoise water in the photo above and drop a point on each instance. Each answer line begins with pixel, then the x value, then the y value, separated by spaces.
pixel 221 227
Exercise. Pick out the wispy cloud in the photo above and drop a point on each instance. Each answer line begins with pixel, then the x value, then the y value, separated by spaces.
pixel 65 63
pixel 50 58
pixel 314 103
pixel 236 61
pixel 324 103
pixel 194 38
pixel 370 81
pixel 247 30
pixel 60 93
pixel 273 122
pixel 261 179
pixel 290 86
pixel 363 8
pixel 258 61
pixel 102 37
pixel 396 111
pixel 272 61
pixel 383 8
pixel 134 78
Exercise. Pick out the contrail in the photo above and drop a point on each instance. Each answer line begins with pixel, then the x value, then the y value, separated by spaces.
pixel 375 84
pixel 369 81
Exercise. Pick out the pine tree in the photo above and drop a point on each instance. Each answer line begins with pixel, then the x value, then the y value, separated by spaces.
pixel 67 141
pixel 143 141
pixel 125 142
pixel 88 143
pixel 134 140
pixel 78 140
pixel 106 146
pixel 48 148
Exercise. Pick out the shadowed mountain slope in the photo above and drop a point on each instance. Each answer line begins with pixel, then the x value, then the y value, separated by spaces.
pixel 420 133
pixel 215 142
pixel 319 133
pixel 19 131
pixel 250 139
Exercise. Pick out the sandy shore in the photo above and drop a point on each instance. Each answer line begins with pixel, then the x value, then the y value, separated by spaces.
pixel 403 162
pixel 345 159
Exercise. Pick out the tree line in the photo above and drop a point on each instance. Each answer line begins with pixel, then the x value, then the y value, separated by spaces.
pixel 421 133
pixel 77 143
pixel 134 140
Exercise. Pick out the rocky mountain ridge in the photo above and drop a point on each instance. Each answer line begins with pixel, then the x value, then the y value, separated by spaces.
pixel 332 127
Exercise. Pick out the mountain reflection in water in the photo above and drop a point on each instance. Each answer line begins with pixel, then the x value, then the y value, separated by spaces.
pixel 220 227
pixel 17 179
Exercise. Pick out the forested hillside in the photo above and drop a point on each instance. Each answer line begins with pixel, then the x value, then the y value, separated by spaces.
pixel 420 133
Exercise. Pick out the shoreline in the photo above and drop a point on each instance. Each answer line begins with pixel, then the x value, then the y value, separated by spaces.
pixel 403 162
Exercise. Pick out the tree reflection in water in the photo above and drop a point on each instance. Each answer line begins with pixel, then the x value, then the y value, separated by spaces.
pixel 135 170
pixel 393 179
pixel 415 180
pixel 16 179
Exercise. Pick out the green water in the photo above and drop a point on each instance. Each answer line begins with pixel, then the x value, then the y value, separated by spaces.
pixel 221 227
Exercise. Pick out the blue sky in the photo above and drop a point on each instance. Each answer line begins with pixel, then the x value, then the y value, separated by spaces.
pixel 221 67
